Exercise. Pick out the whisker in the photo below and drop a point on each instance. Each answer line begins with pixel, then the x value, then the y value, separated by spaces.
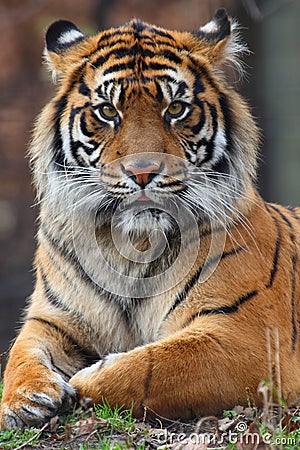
pixel 220 198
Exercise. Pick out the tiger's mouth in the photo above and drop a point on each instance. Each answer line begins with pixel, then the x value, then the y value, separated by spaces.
pixel 149 200
pixel 140 213
pixel 143 198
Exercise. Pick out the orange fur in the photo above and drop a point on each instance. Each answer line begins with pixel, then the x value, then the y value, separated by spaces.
pixel 194 343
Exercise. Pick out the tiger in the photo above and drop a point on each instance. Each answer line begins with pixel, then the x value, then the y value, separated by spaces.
pixel 165 284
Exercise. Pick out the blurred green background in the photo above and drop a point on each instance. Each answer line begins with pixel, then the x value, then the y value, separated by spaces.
pixel 271 28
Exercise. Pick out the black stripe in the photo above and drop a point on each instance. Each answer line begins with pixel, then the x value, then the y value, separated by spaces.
pixel 109 34
pixel 179 172
pixel 171 56
pixel 147 382
pixel 122 96
pixel 276 251
pixel 49 294
pixel 210 146
pixel 66 253
pixel 197 128
pixel 293 319
pixel 198 85
pixel 149 374
pixel 283 216
pixel 75 145
pixel 159 66
pixel 223 101
pixel 83 126
pixel 136 50
pixel 89 357
pixel 221 166
pixel 119 67
pixel 161 33
pixel 294 260
pixel 169 184
pixel 59 156
pixel 191 283
pixel 66 375
pixel 227 309
pixel 84 89
pixel 119 52
pixel 99 62
pixel 294 211
pixel 201 71
pixel 147 92
pixel 164 77
pixel 182 88
pixel 57 302
pixel 159 93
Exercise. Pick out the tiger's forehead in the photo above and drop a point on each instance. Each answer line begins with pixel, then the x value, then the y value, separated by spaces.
pixel 138 52
pixel 139 38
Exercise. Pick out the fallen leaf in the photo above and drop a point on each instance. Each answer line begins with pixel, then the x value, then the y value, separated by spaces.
pixel 87 426
pixel 54 424
pixel 226 423
pixel 239 409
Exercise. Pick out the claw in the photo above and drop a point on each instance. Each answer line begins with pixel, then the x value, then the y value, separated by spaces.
pixel 10 420
pixel 33 408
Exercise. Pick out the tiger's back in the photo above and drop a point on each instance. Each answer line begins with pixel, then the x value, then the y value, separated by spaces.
pixel 157 262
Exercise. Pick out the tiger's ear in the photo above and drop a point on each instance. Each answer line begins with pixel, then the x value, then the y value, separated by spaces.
pixel 217 29
pixel 61 37
pixel 222 39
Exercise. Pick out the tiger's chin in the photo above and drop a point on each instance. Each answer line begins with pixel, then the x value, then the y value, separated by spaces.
pixel 143 223
pixel 139 218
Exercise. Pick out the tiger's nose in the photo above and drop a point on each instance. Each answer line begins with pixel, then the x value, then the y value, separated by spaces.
pixel 142 173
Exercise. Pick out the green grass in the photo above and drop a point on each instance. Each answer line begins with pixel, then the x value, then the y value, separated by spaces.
pixel 118 420
pixel 117 431
pixel 13 438
pixel 114 429
pixel 230 414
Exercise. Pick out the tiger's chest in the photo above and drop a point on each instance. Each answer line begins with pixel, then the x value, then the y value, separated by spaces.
pixel 121 324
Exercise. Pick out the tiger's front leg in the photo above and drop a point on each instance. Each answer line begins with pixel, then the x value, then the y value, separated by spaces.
pixel 187 375
pixel 35 380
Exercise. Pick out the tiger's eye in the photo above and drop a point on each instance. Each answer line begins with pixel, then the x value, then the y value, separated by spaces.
pixel 175 109
pixel 108 111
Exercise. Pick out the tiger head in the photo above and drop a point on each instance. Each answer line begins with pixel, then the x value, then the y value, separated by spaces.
pixel 144 116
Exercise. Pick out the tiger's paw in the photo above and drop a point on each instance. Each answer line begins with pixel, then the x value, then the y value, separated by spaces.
pixel 81 381
pixel 35 402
